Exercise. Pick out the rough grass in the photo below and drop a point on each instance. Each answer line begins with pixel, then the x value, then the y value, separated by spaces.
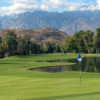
pixel 18 83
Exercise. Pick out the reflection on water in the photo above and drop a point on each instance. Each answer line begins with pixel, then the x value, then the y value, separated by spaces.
pixel 89 64
pixel 53 69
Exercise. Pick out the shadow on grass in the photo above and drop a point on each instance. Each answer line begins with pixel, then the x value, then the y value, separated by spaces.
pixel 64 96
pixel 9 63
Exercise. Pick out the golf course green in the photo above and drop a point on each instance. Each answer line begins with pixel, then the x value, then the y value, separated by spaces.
pixel 17 82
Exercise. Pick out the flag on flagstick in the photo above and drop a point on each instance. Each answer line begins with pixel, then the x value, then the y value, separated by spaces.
pixel 79 58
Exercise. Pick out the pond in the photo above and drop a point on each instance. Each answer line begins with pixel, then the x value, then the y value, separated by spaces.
pixel 88 64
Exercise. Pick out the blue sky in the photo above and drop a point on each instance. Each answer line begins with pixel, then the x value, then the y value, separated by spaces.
pixel 8 7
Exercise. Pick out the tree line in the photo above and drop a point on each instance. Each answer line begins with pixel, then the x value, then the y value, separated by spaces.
pixel 11 45
pixel 82 41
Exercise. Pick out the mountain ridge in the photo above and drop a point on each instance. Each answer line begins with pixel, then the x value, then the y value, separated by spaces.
pixel 69 22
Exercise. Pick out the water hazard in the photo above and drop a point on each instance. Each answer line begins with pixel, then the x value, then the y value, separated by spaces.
pixel 89 64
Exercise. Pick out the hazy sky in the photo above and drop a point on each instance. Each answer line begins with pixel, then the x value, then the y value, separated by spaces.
pixel 18 6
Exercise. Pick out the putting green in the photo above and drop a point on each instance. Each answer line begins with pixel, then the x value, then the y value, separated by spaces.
pixel 19 83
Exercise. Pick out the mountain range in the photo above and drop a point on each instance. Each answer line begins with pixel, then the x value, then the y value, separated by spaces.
pixel 68 22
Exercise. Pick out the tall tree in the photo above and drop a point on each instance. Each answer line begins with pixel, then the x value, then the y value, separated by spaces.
pixel 24 45
pixel 10 43
pixel 97 40
pixel 72 44
pixel 89 37
pixel 51 47
pixel 2 50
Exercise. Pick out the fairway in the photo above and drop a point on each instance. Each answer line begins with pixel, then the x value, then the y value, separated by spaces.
pixel 17 82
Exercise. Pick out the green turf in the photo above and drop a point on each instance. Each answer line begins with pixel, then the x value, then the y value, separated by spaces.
pixel 19 83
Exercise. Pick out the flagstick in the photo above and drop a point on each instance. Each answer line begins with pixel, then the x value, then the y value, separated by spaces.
pixel 80 60
pixel 80 76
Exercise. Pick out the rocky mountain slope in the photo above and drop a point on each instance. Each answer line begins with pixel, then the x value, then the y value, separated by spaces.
pixel 39 34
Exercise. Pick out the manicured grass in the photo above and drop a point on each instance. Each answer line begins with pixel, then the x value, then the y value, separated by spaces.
pixel 19 83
